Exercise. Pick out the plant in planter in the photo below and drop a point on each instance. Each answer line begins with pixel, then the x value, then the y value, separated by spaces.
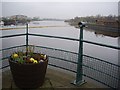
pixel 28 68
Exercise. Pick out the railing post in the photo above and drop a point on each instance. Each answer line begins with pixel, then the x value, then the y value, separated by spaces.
pixel 118 64
pixel 79 79
pixel 26 38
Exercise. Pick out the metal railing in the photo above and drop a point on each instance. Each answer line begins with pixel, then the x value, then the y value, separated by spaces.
pixel 83 65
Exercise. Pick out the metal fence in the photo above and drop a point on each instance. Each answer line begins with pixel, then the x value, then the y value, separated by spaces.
pixel 83 65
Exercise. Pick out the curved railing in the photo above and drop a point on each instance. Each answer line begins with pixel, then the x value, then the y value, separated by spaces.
pixel 83 65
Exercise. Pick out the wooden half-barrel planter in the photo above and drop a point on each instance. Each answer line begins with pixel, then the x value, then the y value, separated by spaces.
pixel 28 74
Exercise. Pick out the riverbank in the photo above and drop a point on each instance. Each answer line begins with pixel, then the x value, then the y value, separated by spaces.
pixel 15 28
pixel 99 29
pixel 103 28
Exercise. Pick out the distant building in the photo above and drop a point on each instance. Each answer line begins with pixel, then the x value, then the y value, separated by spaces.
pixel 1 23
pixel 16 20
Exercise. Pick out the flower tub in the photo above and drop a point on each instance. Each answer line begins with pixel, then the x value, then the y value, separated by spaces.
pixel 28 69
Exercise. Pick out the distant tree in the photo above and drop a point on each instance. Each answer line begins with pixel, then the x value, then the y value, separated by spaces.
pixel 98 16
pixel 8 21
pixel 36 19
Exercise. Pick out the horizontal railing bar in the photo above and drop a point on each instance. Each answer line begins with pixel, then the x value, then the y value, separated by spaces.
pixel 62 68
pixel 64 51
pixel 100 44
pixel 83 74
pixel 12 35
pixel 77 54
pixel 12 47
pixel 4 58
pixel 55 49
pixel 63 59
pixel 40 47
pixel 114 47
pixel 54 37
pixel 83 65
pixel 4 67
pixel 48 64
pixel 74 63
pixel 101 60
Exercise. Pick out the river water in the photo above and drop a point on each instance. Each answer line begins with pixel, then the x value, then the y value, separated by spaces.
pixel 60 28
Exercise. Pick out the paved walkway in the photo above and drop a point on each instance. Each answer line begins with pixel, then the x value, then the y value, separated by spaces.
pixel 53 81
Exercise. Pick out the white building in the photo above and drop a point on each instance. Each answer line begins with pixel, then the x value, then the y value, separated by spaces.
pixel 1 23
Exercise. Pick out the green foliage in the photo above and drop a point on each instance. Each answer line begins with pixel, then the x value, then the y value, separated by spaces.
pixel 20 60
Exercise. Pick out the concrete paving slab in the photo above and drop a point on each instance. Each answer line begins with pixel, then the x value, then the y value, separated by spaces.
pixel 54 80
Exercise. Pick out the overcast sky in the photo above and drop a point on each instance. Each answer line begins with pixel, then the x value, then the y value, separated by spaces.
pixel 60 0
pixel 62 10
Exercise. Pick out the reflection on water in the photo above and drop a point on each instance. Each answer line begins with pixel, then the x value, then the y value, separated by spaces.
pixel 104 33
